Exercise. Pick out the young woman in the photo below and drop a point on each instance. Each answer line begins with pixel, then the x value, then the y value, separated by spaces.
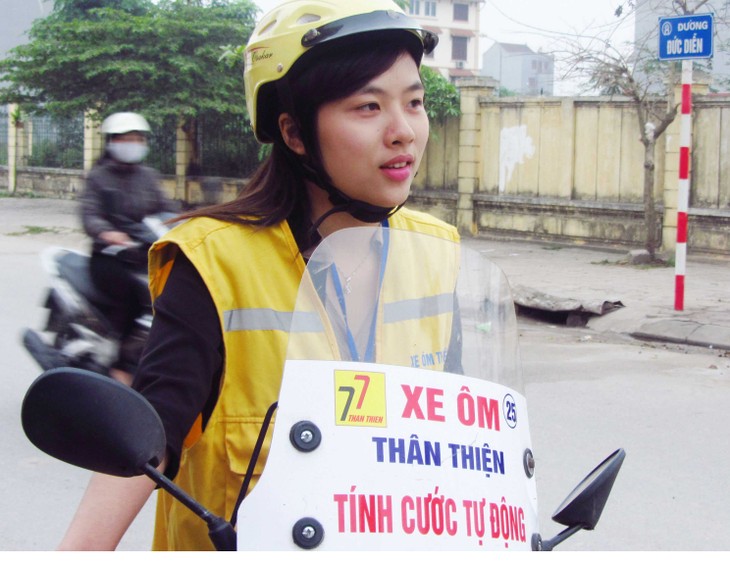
pixel 335 87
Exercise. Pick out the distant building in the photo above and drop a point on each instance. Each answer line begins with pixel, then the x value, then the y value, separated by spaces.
pixel 646 36
pixel 457 25
pixel 519 69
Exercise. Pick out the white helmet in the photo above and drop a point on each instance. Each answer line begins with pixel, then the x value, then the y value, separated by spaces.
pixel 124 122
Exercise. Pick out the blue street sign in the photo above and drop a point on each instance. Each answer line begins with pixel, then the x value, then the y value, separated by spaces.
pixel 685 37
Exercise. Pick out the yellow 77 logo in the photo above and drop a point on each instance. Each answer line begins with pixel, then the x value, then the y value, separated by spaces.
pixel 360 398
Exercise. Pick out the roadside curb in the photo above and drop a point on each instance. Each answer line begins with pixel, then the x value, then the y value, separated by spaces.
pixel 685 332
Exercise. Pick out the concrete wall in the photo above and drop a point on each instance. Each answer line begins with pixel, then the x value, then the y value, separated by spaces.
pixel 68 184
pixel 572 170
pixel 559 169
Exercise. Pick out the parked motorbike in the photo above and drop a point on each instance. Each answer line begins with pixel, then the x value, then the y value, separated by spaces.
pixel 401 414
pixel 77 332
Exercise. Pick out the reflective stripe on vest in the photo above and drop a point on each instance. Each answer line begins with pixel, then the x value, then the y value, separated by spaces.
pixel 271 320
pixel 407 310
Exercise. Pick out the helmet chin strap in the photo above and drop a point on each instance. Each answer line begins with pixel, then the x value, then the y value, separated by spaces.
pixel 360 210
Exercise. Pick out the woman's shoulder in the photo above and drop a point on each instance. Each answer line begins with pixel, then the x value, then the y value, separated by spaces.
pixel 199 227
pixel 407 218
pixel 203 229
pixel 191 236
pixel 216 242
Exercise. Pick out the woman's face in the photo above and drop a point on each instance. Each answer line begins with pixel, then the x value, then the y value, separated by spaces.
pixel 372 142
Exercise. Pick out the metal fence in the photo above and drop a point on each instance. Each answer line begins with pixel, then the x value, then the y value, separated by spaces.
pixel 225 145
pixel 3 135
pixel 56 143
pixel 162 147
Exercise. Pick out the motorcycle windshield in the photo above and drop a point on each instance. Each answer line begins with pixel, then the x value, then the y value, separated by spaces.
pixel 406 299
pixel 401 420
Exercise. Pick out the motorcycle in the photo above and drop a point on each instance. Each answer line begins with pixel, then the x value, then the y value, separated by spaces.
pixel 401 411
pixel 77 332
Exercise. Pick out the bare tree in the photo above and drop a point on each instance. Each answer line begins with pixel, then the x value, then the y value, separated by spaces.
pixel 635 72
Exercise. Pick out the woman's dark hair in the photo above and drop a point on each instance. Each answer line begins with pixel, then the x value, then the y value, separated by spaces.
pixel 329 72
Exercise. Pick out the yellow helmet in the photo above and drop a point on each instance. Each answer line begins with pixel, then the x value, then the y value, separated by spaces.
pixel 287 32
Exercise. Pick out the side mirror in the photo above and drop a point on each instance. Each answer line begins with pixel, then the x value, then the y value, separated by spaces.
pixel 96 423
pixel 92 421
pixel 583 507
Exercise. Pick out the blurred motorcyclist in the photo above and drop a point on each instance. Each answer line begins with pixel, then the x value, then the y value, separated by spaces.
pixel 119 194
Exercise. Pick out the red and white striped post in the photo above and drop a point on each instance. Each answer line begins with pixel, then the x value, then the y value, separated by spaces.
pixel 685 140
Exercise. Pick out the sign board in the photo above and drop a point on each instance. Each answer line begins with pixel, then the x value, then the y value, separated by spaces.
pixel 685 37
pixel 405 459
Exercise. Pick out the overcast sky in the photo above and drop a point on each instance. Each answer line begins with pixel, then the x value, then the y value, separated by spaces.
pixel 537 23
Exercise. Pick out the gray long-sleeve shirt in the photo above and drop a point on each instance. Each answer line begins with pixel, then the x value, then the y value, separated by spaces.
pixel 117 197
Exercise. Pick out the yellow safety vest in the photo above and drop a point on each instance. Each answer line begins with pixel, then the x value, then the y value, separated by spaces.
pixel 253 275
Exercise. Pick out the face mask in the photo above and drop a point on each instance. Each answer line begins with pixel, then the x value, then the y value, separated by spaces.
pixel 129 153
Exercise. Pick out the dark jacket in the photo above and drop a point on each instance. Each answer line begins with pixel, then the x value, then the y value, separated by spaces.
pixel 118 197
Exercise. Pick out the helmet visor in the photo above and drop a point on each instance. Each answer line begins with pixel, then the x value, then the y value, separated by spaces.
pixel 374 21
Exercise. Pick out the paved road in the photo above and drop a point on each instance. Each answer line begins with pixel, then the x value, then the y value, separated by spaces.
pixel 590 391
pixel 39 494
